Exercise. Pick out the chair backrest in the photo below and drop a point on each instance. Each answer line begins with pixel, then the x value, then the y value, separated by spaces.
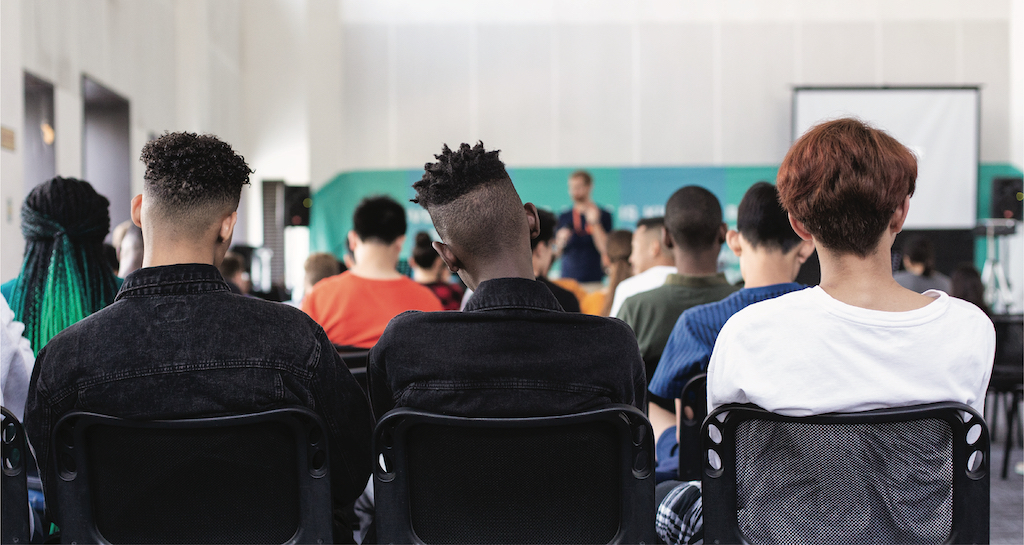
pixel 1007 373
pixel 695 396
pixel 915 474
pixel 253 478
pixel 578 478
pixel 353 356
pixel 15 521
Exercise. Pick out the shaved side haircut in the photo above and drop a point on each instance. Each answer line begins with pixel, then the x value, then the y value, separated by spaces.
pixel 193 179
pixel 693 217
pixel 471 200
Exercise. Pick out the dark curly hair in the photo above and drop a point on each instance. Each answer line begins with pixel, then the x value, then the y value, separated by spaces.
pixel 472 201
pixel 457 173
pixel 186 171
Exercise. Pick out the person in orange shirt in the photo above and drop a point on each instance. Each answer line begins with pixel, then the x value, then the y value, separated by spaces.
pixel 355 306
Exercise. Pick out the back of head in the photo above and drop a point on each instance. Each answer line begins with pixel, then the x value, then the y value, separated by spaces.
pixel 919 249
pixel 64 276
pixel 192 181
pixel 844 181
pixel 320 265
pixel 379 219
pixel 693 218
pixel 762 221
pixel 966 284
pixel 472 202
pixel 423 254
pixel 620 245
pixel 547 227
pixel 232 265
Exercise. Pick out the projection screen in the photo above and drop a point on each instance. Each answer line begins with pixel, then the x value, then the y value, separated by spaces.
pixel 941 127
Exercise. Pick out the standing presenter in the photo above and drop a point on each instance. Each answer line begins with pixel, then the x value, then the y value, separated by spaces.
pixel 582 233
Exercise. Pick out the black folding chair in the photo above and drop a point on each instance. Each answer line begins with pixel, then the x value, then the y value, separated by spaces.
pixel 695 396
pixel 578 478
pixel 915 474
pixel 15 483
pixel 253 478
pixel 354 357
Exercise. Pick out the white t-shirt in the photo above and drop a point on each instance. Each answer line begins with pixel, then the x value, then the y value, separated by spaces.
pixel 645 281
pixel 806 353
pixel 16 361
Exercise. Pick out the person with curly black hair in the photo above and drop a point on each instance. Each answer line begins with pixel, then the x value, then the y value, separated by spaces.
pixel 513 351
pixel 176 343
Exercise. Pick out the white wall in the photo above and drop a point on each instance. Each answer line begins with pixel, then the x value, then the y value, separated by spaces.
pixel 177 62
pixel 557 82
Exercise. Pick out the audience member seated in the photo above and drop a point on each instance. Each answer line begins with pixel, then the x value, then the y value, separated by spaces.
pixel 232 268
pixel 620 245
pixel 919 261
pixel 178 344
pixel 859 340
pixel 770 255
pixel 651 260
pixel 318 265
pixel 16 358
pixel 429 269
pixel 65 275
pixel 355 306
pixel 513 351
pixel 966 284
pixel 544 257
pixel 694 233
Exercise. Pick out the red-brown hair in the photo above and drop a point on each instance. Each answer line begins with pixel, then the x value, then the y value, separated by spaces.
pixel 844 180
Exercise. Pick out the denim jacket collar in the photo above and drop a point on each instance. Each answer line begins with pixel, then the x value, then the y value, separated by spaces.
pixel 180 279
pixel 512 293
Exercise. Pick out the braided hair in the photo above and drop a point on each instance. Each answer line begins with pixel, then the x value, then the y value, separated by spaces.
pixel 64 276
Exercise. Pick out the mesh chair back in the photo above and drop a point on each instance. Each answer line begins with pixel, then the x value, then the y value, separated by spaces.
pixel 583 478
pixel 258 478
pixel 907 475
pixel 15 483
pixel 695 396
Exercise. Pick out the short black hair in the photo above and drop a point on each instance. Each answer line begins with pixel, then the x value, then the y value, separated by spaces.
pixel 379 219
pixel 547 227
pixel 693 218
pixel 188 173
pixel 762 220
pixel 471 200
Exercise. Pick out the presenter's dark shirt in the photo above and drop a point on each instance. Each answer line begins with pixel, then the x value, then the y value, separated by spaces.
pixel 580 258
pixel 177 344
pixel 513 351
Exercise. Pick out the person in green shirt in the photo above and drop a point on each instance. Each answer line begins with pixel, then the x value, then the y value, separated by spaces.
pixel 694 232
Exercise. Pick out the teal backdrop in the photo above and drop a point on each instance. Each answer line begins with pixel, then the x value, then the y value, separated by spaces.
pixel 629 193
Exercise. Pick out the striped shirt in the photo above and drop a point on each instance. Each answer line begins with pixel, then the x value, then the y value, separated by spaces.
pixel 692 340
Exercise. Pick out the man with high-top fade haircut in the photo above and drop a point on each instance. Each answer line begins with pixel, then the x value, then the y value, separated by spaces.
pixel 513 351
pixel 176 343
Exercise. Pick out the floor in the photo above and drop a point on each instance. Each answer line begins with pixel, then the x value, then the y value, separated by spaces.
pixel 1007 506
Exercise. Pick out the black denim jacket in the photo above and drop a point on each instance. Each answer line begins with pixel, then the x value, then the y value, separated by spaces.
pixel 175 344
pixel 513 351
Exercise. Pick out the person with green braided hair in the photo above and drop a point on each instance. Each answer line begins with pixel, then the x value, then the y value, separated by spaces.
pixel 64 276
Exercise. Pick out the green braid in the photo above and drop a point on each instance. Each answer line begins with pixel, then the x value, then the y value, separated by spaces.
pixel 63 277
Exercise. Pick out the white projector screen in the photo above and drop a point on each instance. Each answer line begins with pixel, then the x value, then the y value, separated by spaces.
pixel 941 127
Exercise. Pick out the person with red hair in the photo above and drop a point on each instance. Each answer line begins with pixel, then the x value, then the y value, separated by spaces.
pixel 859 340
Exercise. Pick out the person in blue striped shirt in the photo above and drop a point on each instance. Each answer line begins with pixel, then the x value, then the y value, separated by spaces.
pixel 770 255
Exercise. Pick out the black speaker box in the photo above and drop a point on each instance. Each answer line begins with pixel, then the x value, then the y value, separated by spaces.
pixel 1007 197
pixel 296 205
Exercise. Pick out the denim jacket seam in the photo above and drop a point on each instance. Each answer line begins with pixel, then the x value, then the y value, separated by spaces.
pixel 128 291
pixel 211 365
pixel 513 307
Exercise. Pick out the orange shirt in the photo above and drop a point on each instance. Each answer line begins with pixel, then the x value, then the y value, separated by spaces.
pixel 354 310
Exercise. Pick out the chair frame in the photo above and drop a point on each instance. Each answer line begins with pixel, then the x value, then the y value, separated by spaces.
pixel 690 429
pixel 970 523
pixel 15 528
pixel 636 452
pixel 74 492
